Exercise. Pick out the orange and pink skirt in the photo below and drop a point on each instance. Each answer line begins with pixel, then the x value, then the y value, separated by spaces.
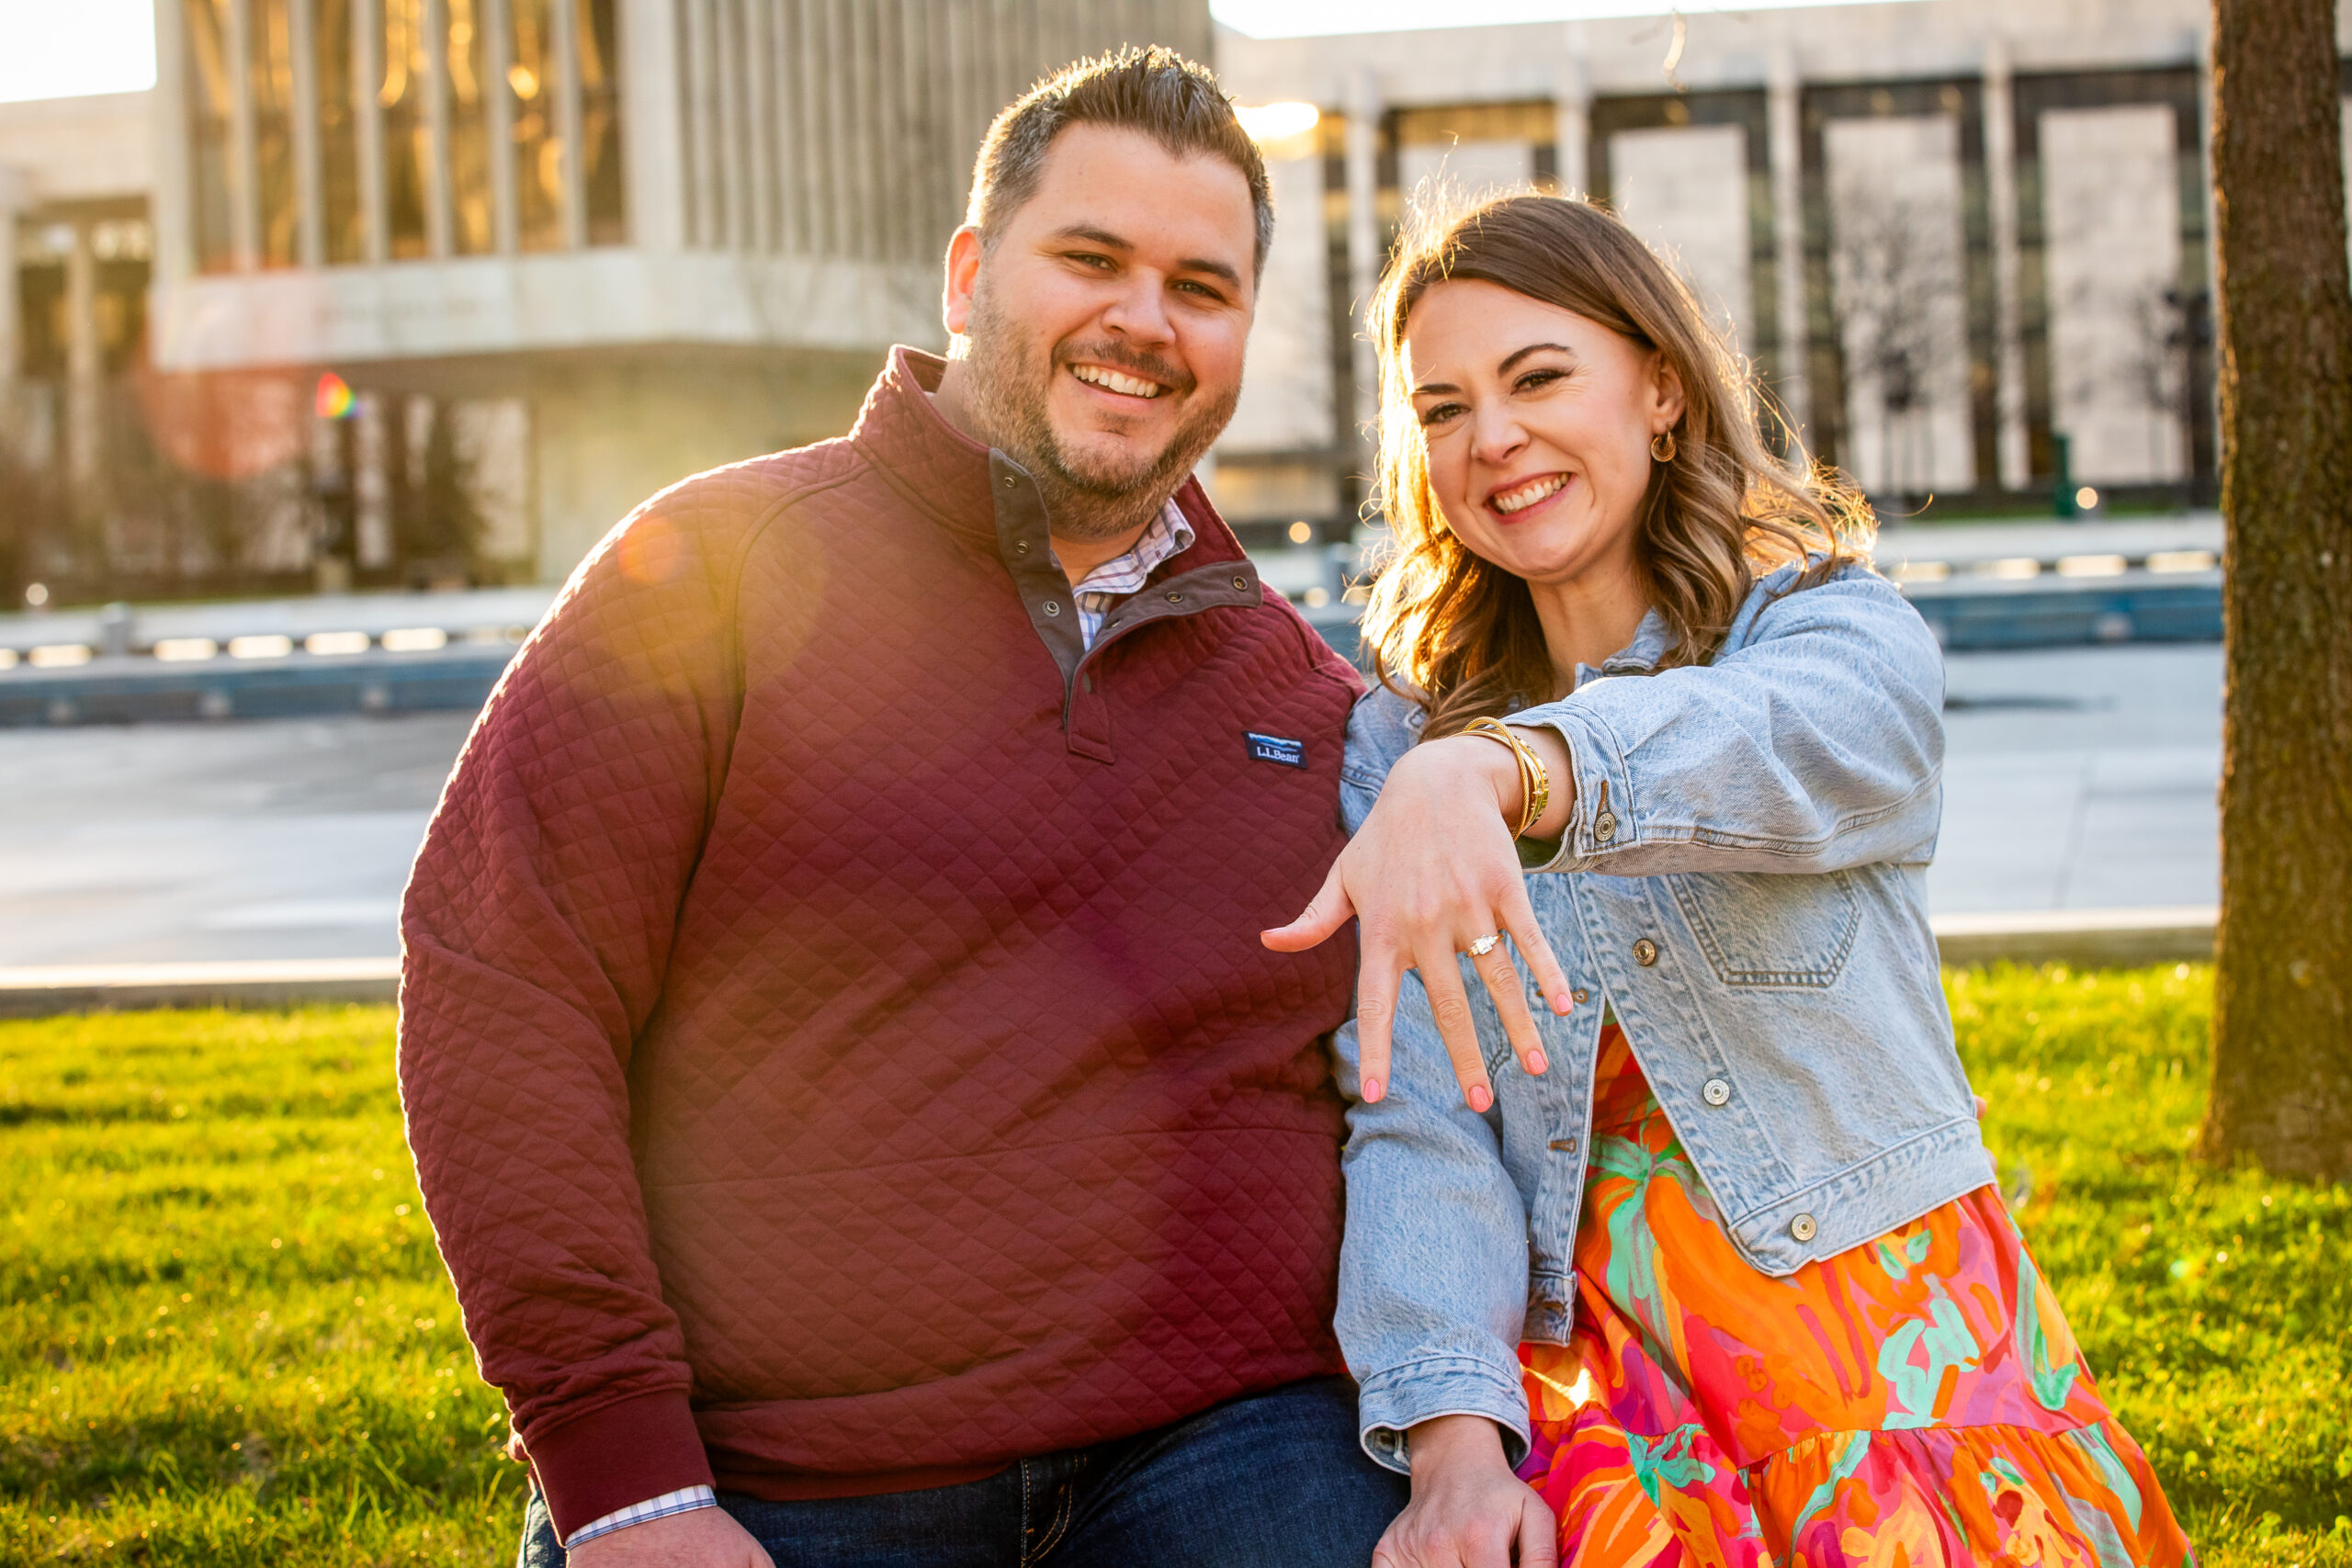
pixel 1915 1400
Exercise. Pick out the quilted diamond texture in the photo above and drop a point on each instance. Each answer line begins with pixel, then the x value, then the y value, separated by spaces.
pixel 791 1018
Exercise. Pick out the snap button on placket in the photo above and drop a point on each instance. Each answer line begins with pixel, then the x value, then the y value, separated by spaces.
pixel 1644 951
pixel 1802 1227
pixel 1564 1145
pixel 1604 827
pixel 1581 996
pixel 1053 606
pixel 1716 1092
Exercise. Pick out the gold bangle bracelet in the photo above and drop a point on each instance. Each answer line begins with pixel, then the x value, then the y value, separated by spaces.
pixel 1534 780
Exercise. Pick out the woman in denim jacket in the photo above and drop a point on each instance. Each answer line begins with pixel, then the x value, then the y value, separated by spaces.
pixel 1707 1250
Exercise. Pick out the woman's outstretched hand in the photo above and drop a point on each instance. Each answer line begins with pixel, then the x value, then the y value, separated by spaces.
pixel 1468 1510
pixel 1433 870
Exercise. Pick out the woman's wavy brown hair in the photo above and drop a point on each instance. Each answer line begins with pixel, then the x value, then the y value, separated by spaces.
pixel 1458 633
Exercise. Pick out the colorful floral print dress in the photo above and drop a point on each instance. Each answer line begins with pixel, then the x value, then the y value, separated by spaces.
pixel 1915 1400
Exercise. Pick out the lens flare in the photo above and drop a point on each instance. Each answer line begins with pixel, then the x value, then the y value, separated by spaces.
pixel 335 399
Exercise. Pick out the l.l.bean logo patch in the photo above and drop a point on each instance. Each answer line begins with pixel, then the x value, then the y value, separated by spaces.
pixel 1276 749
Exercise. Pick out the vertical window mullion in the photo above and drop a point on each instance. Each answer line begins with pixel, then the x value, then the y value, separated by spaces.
pixel 498 108
pixel 309 196
pixel 244 194
pixel 439 220
pixel 367 76
pixel 565 17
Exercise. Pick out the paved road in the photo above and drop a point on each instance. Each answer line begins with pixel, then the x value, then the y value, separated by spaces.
pixel 2078 779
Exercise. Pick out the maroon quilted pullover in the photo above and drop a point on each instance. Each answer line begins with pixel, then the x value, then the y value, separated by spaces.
pixel 836 1044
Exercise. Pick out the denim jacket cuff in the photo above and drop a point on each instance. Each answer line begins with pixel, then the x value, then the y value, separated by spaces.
pixel 1606 816
pixel 1392 1401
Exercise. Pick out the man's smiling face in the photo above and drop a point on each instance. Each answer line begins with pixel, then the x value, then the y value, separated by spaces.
pixel 1104 324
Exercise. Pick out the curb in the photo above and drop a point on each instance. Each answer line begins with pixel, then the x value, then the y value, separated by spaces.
pixel 123 987
pixel 2086 939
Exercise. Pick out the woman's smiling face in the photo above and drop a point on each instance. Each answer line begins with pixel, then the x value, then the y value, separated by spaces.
pixel 1538 423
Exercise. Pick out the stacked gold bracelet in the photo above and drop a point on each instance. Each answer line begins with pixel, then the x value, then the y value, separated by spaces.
pixel 1534 783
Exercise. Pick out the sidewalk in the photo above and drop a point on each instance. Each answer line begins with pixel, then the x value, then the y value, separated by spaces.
pixel 2087 938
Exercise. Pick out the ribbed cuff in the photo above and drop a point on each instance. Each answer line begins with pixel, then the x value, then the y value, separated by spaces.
pixel 617 1455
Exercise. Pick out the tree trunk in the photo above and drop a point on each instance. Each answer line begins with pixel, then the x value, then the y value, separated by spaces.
pixel 2282 1013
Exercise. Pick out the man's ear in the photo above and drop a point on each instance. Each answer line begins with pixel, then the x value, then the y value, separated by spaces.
pixel 963 279
pixel 1669 384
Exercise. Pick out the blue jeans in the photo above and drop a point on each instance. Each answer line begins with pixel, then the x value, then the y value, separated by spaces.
pixel 1274 1480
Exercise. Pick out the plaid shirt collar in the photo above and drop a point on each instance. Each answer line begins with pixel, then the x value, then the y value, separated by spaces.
pixel 1167 535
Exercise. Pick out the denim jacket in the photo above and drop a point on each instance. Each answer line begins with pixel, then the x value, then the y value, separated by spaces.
pixel 1743 887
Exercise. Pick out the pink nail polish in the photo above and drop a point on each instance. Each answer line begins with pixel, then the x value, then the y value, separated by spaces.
pixel 1480 1098
pixel 1372 1089
pixel 1536 1062
pixel 1563 1003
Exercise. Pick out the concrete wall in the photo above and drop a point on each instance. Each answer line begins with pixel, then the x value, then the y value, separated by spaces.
pixel 81 149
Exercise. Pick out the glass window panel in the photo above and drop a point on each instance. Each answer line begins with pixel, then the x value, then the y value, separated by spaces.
pixel 40 320
pixel 270 79
pixel 537 147
pixel 344 224
pixel 407 134
pixel 468 132
pixel 600 124
pixel 208 98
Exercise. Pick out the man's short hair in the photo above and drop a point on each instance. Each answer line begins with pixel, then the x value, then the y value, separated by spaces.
pixel 1157 91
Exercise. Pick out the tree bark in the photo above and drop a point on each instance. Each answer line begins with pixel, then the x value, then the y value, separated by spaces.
pixel 2282 1014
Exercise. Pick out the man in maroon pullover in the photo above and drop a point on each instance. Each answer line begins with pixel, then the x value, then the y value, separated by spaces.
pixel 848 1088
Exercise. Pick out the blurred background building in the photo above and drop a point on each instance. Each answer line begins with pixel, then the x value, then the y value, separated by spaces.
pixel 434 290
pixel 1966 242
pixel 429 291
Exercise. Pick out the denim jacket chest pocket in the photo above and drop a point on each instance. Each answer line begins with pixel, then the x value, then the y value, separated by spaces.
pixel 1766 931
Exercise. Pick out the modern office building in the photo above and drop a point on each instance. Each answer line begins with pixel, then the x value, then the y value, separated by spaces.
pixel 1966 242
pixel 586 246
pixel 553 254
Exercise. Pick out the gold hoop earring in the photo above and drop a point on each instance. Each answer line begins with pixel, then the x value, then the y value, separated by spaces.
pixel 1662 447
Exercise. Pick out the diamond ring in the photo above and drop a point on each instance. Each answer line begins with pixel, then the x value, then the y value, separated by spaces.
pixel 1485 944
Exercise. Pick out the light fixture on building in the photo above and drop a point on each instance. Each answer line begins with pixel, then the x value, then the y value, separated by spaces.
pixel 335 642
pixel 414 640
pixel 2086 499
pixel 261 645
pixel 185 650
pixel 1276 122
pixel 1300 532
pixel 36 595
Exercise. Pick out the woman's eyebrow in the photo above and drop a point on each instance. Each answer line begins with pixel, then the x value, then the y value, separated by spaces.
pixel 1505 368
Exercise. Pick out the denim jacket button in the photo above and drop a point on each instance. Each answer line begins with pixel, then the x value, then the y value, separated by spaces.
pixel 1716 1091
pixel 1644 951
pixel 1802 1227
pixel 1581 996
pixel 1564 1145
pixel 1604 827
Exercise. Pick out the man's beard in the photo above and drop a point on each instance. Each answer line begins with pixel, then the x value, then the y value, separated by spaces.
pixel 1086 498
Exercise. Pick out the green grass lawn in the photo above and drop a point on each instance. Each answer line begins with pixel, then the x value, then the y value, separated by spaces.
pixel 227 1339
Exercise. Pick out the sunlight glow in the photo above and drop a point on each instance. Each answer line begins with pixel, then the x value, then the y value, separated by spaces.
pixel 1276 122
pixel 73 50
